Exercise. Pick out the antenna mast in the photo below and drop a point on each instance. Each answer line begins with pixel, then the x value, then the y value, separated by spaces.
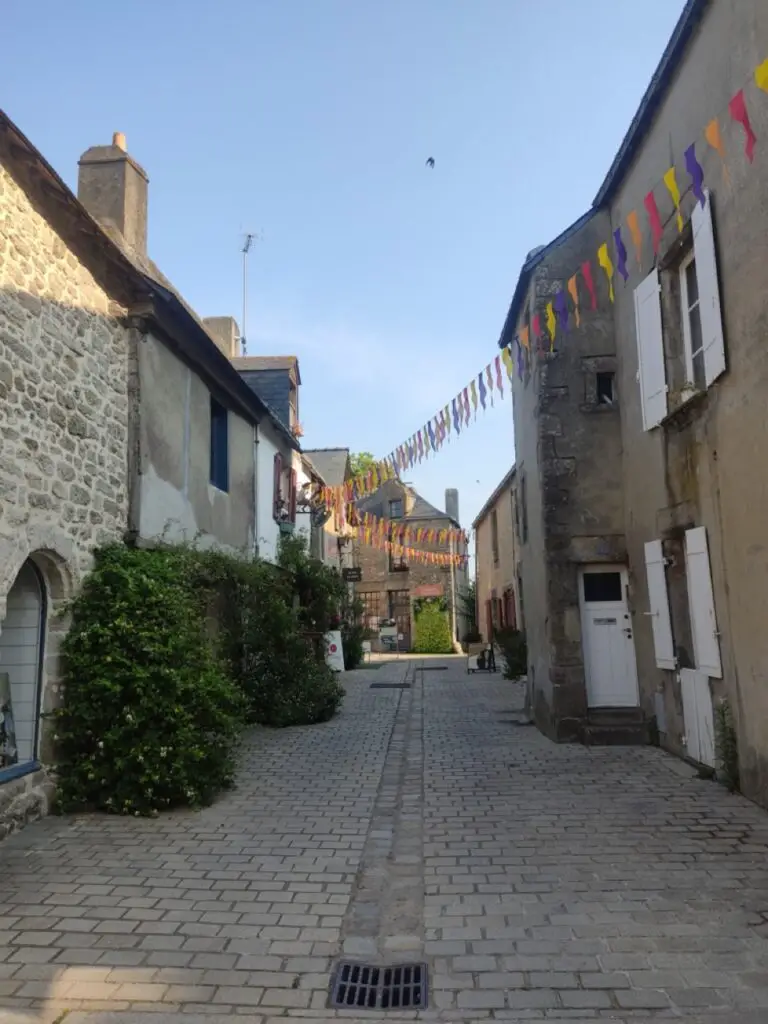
pixel 245 250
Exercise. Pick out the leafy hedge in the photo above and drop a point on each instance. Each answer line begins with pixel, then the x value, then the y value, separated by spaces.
pixel 432 631
pixel 170 653
pixel 151 717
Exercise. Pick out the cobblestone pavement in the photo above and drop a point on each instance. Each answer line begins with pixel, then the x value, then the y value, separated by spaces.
pixel 539 882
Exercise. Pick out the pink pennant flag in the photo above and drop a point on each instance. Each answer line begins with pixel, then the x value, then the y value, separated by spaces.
pixel 738 111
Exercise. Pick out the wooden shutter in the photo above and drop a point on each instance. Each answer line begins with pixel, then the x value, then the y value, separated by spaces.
pixel 698 716
pixel 277 485
pixel 650 351
pixel 292 496
pixel 701 602
pixel 709 291
pixel 663 643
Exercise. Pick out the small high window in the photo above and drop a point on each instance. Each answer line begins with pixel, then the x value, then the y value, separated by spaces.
pixel 605 388
pixel 396 508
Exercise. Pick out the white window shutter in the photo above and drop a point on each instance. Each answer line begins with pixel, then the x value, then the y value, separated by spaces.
pixel 701 602
pixel 661 623
pixel 709 291
pixel 650 351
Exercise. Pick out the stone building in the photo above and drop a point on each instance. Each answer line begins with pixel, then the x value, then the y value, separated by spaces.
pixel 570 505
pixel 119 417
pixel 693 412
pixel 497 560
pixel 390 583
pixel 641 487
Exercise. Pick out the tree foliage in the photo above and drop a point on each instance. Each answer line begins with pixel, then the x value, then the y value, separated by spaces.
pixel 361 462
pixel 432 630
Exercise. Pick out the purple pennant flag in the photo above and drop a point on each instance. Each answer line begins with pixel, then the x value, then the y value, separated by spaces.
pixel 696 172
pixel 456 425
pixel 561 308
pixel 431 432
pixel 621 254
pixel 481 389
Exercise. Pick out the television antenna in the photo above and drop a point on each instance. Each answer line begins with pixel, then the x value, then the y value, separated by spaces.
pixel 250 237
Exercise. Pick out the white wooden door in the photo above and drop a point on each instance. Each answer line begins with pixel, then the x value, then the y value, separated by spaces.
pixel 607 638
pixel 20 657
pixel 698 716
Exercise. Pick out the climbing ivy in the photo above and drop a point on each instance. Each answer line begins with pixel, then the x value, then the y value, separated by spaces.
pixel 432 631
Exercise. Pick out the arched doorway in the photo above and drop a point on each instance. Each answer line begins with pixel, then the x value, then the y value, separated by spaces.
pixel 22 634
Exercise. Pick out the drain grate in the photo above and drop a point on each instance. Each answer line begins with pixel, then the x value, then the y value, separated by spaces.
pixel 402 987
pixel 434 668
pixel 390 686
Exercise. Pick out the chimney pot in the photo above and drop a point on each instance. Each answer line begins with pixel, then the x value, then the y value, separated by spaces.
pixel 118 139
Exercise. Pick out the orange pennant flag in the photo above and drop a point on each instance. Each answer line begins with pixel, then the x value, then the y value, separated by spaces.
pixel 715 139
pixel 573 289
pixel 633 223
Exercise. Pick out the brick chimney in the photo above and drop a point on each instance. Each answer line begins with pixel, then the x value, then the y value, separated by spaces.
pixel 452 503
pixel 113 188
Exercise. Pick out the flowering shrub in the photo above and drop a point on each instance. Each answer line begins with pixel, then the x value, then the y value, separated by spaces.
pixel 150 718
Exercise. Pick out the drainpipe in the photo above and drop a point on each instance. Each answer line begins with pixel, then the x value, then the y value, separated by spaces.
pixel 453 592
pixel 256 490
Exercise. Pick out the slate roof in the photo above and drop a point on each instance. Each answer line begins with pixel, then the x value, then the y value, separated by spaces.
pixel 331 463
pixel 422 509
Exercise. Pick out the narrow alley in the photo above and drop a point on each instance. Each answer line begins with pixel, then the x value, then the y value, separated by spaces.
pixel 426 823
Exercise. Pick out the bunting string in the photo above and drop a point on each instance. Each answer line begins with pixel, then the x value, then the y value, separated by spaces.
pixel 567 303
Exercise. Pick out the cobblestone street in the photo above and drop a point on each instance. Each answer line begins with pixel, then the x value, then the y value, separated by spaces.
pixel 425 823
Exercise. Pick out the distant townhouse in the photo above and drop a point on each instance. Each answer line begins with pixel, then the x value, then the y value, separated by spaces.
pixel 391 580
pixel 497 560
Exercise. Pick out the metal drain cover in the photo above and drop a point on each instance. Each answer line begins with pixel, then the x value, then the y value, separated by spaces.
pixel 434 668
pixel 390 686
pixel 400 987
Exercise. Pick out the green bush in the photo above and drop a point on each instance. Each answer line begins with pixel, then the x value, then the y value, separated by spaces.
pixel 170 652
pixel 150 718
pixel 432 631
pixel 515 652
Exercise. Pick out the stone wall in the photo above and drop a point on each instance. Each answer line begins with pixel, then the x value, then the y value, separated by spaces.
pixel 63 418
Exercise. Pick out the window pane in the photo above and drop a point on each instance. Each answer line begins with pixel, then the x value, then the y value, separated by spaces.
pixel 602 586
pixel 396 509
pixel 692 284
pixel 699 375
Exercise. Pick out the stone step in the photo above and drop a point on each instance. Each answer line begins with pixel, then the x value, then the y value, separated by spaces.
pixel 617 727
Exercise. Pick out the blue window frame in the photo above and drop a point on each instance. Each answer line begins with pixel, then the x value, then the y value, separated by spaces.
pixel 219 446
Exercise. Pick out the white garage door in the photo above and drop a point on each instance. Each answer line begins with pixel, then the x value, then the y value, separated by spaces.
pixel 20 657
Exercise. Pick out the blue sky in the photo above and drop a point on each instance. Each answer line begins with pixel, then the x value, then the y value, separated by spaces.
pixel 310 121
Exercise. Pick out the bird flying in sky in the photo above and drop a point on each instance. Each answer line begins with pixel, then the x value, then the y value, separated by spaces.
pixel 430 161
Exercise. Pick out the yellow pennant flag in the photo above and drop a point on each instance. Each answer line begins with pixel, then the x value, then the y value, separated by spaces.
pixel 761 76
pixel 506 356
pixel 524 336
pixel 551 325
pixel 573 291
pixel 605 262
pixel 473 395
pixel 670 180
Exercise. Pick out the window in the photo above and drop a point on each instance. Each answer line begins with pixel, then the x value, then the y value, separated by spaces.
pixel 397 563
pixel 219 446
pixel 293 401
pixel 602 586
pixel 604 388
pixel 523 509
pixel 495 536
pixel 396 508
pixel 277 487
pixel 515 511
pixel 692 312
